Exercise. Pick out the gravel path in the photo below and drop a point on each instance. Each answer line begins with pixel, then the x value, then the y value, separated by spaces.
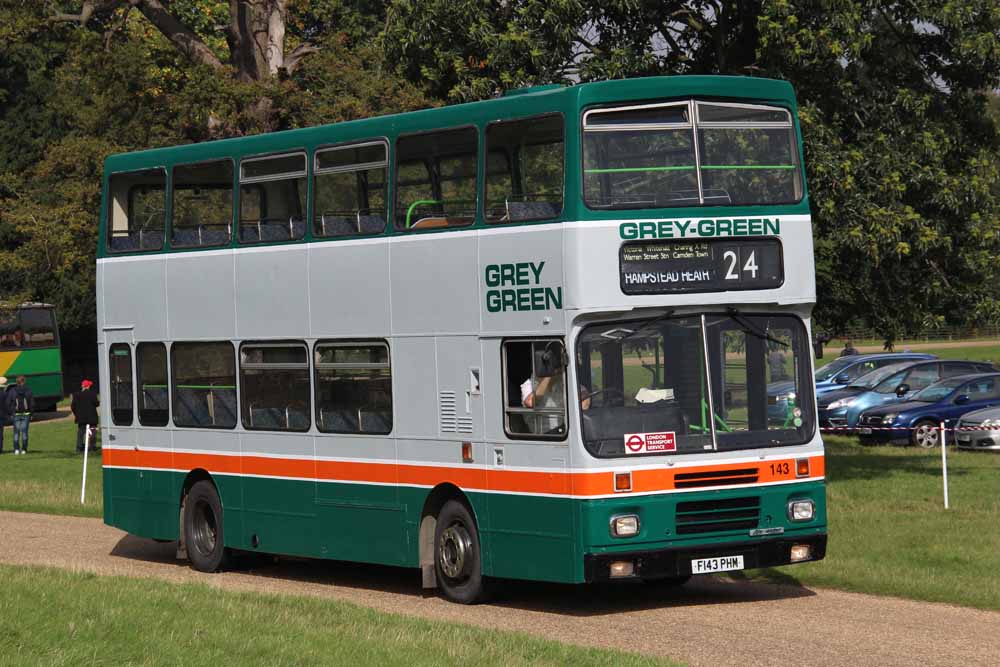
pixel 708 622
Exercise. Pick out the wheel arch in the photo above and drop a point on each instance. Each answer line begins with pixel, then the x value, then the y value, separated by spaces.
pixel 435 500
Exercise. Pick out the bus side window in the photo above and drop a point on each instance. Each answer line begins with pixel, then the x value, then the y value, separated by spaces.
pixel 274 386
pixel 202 213
pixel 534 389
pixel 154 395
pixel 137 211
pixel 436 179
pixel 524 170
pixel 120 367
pixel 203 384
pixel 349 195
pixel 273 198
pixel 353 387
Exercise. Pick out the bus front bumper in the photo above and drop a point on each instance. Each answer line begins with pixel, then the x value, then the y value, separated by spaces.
pixel 678 562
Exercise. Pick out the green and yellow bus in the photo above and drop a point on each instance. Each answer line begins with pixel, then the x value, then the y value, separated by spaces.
pixel 29 346
pixel 561 335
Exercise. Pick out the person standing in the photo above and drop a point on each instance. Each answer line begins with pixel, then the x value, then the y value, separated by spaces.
pixel 4 416
pixel 84 407
pixel 21 402
pixel 849 350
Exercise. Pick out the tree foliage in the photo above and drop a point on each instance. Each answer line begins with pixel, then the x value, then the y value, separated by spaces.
pixel 898 109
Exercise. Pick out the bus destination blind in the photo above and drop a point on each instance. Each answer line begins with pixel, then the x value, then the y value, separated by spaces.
pixel 663 267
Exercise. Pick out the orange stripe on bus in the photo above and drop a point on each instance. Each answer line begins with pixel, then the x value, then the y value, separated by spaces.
pixel 502 480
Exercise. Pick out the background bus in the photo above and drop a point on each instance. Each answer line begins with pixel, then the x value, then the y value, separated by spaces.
pixel 29 346
pixel 530 337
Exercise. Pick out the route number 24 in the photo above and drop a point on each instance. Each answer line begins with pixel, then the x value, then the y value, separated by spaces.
pixel 732 261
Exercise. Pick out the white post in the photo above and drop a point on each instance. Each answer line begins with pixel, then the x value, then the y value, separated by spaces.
pixel 944 466
pixel 86 448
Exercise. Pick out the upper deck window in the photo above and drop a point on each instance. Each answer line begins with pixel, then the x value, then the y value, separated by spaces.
pixel 28 327
pixel 273 198
pixel 137 210
pixel 202 204
pixel 350 190
pixel 436 179
pixel 524 170
pixel 690 154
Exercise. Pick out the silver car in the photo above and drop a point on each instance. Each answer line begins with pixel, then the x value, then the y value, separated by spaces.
pixel 986 429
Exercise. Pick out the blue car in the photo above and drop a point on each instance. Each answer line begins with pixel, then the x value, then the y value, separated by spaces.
pixel 891 384
pixel 915 422
pixel 843 371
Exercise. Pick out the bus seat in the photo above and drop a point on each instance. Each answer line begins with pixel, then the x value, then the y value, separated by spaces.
pixel 214 234
pixel 336 225
pixel 371 224
pixel 151 239
pixel 532 210
pixel 339 420
pixel 154 398
pixel 298 421
pixel 225 405
pixel 376 422
pixel 186 236
pixel 430 223
pixel 125 242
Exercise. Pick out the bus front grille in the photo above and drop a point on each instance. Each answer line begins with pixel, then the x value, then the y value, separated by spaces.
pixel 687 480
pixel 711 516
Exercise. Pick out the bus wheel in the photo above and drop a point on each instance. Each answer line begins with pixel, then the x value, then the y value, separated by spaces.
pixel 925 434
pixel 457 556
pixel 203 533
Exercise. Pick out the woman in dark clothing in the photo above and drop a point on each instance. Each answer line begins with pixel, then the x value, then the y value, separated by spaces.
pixel 84 407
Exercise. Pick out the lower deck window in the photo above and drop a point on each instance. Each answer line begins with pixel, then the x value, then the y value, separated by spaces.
pixel 154 396
pixel 353 388
pixel 203 384
pixel 274 382
pixel 120 367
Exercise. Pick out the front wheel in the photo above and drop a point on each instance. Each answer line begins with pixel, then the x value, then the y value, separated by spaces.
pixel 925 434
pixel 457 556
pixel 203 531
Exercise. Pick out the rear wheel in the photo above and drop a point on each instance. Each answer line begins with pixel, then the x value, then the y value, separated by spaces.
pixel 925 434
pixel 457 556
pixel 203 531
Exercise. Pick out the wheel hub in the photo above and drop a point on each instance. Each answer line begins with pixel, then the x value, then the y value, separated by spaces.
pixel 926 436
pixel 205 530
pixel 454 549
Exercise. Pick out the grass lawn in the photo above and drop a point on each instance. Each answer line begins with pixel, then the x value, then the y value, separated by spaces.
pixel 983 353
pixel 47 479
pixel 889 531
pixel 57 617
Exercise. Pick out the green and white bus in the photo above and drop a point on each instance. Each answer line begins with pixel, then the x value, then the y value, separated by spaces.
pixel 562 335
pixel 29 346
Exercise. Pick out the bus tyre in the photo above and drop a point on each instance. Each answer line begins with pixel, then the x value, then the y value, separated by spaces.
pixel 457 556
pixel 203 532
pixel 925 434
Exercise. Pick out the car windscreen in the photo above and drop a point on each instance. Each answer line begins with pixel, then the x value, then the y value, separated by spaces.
pixel 876 377
pixel 699 383
pixel 827 371
pixel 937 391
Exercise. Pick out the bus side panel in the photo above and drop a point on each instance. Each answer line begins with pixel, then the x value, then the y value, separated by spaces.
pixel 356 501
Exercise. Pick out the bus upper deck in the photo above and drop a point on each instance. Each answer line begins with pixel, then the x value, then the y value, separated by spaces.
pixel 29 346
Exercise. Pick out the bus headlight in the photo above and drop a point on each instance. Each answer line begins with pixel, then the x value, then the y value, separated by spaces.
pixel 625 526
pixel 801 510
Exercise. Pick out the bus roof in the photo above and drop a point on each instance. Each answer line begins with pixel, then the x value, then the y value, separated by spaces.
pixel 516 103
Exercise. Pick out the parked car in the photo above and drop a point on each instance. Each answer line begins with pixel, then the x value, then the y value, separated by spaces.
pixel 843 371
pixel 891 384
pixel 988 420
pixel 835 375
pixel 915 422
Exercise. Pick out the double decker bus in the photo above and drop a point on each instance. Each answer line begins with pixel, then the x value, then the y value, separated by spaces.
pixel 29 346
pixel 530 337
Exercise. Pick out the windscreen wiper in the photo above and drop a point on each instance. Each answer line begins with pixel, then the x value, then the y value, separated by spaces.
pixel 752 328
pixel 628 333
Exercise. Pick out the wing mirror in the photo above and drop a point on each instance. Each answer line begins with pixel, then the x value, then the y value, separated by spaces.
pixel 962 399
pixel 902 390
pixel 843 378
